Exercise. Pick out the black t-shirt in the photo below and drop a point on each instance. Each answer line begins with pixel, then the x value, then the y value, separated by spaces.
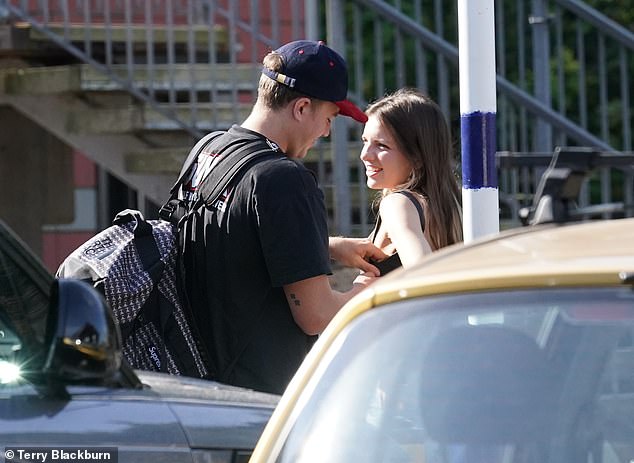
pixel 272 232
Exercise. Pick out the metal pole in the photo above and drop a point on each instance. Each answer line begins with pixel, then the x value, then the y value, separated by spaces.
pixel 311 18
pixel 338 135
pixel 480 199
pixel 541 68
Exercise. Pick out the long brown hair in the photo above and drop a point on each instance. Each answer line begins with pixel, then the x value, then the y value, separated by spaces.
pixel 421 131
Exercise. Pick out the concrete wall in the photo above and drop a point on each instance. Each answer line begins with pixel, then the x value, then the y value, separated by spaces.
pixel 36 178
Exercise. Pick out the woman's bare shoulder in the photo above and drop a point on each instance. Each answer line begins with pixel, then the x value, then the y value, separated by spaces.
pixel 396 202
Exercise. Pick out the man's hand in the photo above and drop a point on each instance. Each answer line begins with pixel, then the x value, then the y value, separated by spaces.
pixel 355 252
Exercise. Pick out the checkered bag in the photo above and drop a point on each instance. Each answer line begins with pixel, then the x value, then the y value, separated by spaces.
pixel 134 264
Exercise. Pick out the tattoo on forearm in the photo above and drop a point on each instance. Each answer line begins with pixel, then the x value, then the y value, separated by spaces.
pixel 295 300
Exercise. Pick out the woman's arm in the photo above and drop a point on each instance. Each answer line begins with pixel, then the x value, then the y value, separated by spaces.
pixel 401 221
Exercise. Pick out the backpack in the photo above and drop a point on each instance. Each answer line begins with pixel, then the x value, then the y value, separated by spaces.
pixel 135 264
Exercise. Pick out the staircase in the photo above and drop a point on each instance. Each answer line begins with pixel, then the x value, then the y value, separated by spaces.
pixel 132 84
pixel 131 139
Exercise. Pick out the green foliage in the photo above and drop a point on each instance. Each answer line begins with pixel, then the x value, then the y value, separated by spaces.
pixel 585 89
pixel 621 11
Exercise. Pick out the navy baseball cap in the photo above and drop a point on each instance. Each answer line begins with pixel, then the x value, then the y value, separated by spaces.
pixel 316 70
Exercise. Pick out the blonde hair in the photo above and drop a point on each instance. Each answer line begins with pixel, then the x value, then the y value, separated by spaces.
pixel 271 93
pixel 422 134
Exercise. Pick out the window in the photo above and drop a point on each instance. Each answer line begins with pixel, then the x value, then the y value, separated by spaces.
pixel 507 376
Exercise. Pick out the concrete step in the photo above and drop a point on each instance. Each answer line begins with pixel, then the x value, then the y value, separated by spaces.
pixel 221 77
pixel 112 109
pixel 208 116
pixel 40 80
pixel 136 117
pixel 170 160
pixel 136 33
pixel 93 121
pixel 201 77
pixel 176 138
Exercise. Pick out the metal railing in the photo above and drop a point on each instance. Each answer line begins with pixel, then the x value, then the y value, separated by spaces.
pixel 191 59
pixel 400 43
pixel 169 54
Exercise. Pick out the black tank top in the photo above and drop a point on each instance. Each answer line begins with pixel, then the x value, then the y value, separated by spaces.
pixel 394 261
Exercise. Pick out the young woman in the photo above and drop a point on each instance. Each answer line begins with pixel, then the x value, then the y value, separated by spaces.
pixel 407 153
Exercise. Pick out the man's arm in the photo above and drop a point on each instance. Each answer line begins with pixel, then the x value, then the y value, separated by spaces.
pixel 313 302
pixel 355 252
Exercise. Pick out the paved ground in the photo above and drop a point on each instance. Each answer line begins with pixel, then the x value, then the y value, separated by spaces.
pixel 342 277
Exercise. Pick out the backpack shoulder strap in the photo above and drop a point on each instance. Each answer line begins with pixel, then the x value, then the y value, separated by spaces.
pixel 144 241
pixel 235 160
pixel 173 209
pixel 193 156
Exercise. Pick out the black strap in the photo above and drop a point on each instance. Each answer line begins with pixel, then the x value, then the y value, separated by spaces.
pixel 193 157
pixel 144 241
pixel 150 256
pixel 230 165
pixel 174 209
pixel 233 157
pixel 419 209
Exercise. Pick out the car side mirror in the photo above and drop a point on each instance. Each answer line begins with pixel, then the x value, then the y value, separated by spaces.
pixel 84 343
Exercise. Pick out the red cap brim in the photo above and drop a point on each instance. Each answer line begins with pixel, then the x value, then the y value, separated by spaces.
pixel 347 108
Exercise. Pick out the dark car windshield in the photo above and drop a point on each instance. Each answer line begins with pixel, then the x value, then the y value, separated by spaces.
pixel 517 376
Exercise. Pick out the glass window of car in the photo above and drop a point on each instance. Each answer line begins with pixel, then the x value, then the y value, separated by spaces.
pixel 24 301
pixel 517 376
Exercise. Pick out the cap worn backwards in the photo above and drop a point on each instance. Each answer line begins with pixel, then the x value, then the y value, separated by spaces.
pixel 316 70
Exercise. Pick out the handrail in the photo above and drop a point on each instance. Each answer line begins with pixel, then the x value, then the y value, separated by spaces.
pixel 450 52
pixel 245 26
pixel 599 20
pixel 126 84
pixel 536 107
pixel 407 24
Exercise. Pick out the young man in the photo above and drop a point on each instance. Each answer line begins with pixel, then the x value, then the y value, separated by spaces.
pixel 257 273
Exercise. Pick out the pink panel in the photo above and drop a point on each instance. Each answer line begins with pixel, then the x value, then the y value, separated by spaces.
pixel 85 171
pixel 57 246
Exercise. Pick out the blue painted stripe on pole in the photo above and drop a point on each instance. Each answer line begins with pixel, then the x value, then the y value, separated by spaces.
pixel 477 131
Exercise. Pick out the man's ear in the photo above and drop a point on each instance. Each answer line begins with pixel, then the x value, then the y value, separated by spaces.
pixel 300 107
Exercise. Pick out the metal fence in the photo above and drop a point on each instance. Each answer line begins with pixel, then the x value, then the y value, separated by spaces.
pixel 589 57
pixel 563 72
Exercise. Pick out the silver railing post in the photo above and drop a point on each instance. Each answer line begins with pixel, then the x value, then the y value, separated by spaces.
pixel 541 69
pixel 339 137
pixel 311 15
